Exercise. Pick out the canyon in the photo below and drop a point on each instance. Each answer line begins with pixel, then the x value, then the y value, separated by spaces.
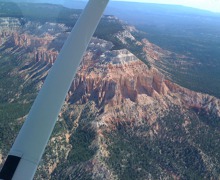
pixel 121 119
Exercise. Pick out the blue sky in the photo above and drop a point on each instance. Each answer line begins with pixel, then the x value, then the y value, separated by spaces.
pixel 211 5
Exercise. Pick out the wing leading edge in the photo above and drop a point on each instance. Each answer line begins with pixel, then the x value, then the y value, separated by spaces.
pixel 28 148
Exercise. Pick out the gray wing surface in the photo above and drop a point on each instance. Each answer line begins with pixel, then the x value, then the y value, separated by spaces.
pixel 28 148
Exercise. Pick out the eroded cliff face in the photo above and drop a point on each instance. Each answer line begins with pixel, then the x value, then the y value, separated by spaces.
pixel 109 78
pixel 129 97
pixel 105 76
pixel 7 27
pixel 117 75
pixel 39 41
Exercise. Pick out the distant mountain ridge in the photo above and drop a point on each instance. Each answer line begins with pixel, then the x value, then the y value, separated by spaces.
pixel 115 6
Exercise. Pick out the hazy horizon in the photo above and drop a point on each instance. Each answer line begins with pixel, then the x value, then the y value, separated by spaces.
pixel 211 5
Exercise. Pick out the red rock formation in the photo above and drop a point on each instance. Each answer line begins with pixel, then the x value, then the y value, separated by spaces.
pixel 130 80
pixel 38 45
pixel 26 40
pixel 154 52
pixel 21 40
pixel 45 55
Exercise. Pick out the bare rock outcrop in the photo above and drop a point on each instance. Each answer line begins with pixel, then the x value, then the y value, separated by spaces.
pixel 113 77
pixel 45 56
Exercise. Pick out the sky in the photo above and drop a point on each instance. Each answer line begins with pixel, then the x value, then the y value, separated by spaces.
pixel 211 5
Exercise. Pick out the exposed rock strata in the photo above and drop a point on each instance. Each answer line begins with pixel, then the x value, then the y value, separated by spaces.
pixel 115 76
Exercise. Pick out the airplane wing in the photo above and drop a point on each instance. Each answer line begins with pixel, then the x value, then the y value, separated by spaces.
pixel 28 148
